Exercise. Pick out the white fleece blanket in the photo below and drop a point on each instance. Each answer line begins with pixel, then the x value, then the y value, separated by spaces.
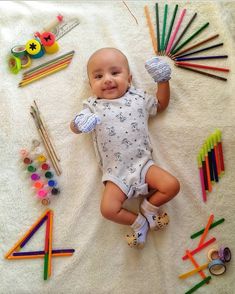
pixel 103 262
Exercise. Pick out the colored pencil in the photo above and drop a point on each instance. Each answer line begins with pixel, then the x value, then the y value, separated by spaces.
pixel 200 50
pixel 204 169
pixel 201 57
pixel 17 244
pixel 207 168
pixel 43 252
pixel 171 26
pixel 214 224
pixel 202 66
pixel 47 68
pixel 50 61
pixel 46 247
pixel 164 27
pixel 24 83
pixel 202 73
pixel 220 148
pixel 33 231
pixel 216 154
pixel 203 237
pixel 214 163
pixel 210 161
pixel 172 38
pixel 203 282
pixel 183 32
pixel 201 273
pixel 201 178
pixel 151 29
pixel 202 28
pixel 199 248
pixel 158 27
pixel 50 245
pixel 197 44
pixel 194 271
pixel 39 256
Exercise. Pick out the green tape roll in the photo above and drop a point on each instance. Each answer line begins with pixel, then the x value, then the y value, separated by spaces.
pixel 14 64
pixel 19 51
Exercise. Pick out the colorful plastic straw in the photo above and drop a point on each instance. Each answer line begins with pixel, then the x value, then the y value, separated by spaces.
pixel 202 73
pixel 171 26
pixel 164 27
pixel 199 248
pixel 218 222
pixel 183 32
pixel 191 37
pixel 203 237
pixel 203 282
pixel 172 38
pixel 151 29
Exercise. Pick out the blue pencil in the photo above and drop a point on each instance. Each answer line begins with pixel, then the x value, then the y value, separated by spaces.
pixel 201 57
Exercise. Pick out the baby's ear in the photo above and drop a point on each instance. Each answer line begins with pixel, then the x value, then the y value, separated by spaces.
pixel 130 78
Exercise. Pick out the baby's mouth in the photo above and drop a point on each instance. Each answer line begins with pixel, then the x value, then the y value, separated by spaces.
pixel 109 88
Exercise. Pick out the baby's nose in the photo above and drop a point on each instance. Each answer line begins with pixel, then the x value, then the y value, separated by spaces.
pixel 108 79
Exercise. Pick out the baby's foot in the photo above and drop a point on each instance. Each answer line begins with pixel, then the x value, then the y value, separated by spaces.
pixel 159 222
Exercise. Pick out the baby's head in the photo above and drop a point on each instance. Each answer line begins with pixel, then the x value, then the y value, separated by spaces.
pixel 109 74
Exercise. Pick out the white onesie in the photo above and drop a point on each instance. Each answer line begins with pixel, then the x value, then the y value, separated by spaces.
pixel 121 141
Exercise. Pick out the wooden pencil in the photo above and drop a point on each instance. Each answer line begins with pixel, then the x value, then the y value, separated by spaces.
pixel 202 28
pixel 172 38
pixel 197 44
pixel 201 57
pixel 171 26
pixel 164 28
pixel 50 61
pixel 202 66
pixel 183 32
pixel 50 244
pixel 200 50
pixel 157 27
pixel 151 29
pixel 202 73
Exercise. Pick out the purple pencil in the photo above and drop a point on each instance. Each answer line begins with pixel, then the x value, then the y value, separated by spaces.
pixel 43 252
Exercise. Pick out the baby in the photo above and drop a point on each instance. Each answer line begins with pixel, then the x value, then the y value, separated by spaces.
pixel 117 115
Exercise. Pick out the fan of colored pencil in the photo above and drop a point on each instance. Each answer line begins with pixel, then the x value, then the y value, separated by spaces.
pixel 46 69
pixel 169 42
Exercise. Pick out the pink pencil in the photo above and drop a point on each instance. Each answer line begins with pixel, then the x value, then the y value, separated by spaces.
pixel 175 31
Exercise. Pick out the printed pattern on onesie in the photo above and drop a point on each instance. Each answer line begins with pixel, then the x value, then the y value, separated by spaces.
pixel 121 141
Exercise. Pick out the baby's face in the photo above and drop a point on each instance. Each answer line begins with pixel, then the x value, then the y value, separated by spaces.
pixel 108 73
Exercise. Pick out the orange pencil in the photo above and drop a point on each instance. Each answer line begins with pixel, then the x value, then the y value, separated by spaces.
pixel 151 30
pixel 203 237
pixel 17 244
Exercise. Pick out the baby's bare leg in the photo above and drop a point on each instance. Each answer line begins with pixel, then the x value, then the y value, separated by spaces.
pixel 111 205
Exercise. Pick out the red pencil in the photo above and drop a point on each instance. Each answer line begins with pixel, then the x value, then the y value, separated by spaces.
pixel 202 66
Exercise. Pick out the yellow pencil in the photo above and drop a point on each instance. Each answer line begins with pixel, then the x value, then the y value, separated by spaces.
pixel 39 256
pixel 194 271
pixel 50 244
pixel 151 30
pixel 26 234
pixel 26 82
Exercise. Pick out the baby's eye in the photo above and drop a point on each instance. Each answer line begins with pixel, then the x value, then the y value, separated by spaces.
pixel 114 73
pixel 98 76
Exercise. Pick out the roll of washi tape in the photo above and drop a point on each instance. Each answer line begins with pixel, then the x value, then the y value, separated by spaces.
pixel 213 254
pixel 19 51
pixel 47 38
pixel 14 64
pixel 217 267
pixel 34 48
pixel 25 61
pixel 225 254
pixel 53 48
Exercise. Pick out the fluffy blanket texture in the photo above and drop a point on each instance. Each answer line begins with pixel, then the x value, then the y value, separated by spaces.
pixel 103 262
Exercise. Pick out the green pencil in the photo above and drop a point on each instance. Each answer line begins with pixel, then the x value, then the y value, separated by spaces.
pixel 190 38
pixel 158 28
pixel 214 224
pixel 164 27
pixel 171 26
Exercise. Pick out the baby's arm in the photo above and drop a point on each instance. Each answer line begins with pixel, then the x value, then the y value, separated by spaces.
pixel 84 122
pixel 160 71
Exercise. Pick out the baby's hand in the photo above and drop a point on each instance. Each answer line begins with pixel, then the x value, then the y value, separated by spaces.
pixel 159 69
pixel 86 121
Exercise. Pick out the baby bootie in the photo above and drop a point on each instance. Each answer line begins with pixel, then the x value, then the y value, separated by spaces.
pixel 157 220
pixel 140 228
